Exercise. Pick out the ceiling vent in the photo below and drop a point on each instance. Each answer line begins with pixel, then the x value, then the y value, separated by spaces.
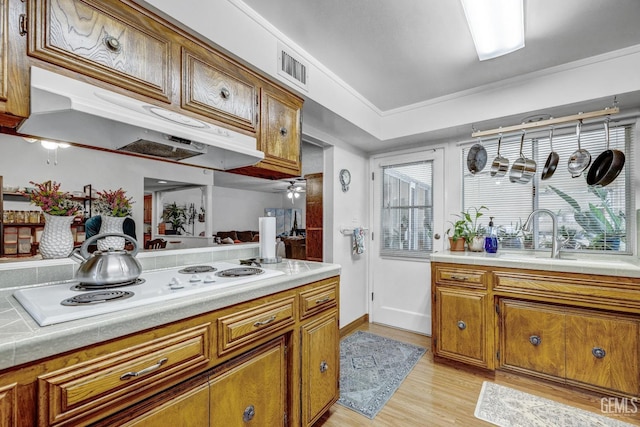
pixel 292 67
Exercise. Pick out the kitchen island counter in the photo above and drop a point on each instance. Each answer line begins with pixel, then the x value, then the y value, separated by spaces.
pixel 23 341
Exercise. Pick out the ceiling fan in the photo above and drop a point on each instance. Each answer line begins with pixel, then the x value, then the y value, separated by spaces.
pixel 294 190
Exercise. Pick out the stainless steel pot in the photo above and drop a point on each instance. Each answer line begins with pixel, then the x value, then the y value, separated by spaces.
pixel 523 169
pixel 580 159
pixel 607 166
pixel 107 267
pixel 500 164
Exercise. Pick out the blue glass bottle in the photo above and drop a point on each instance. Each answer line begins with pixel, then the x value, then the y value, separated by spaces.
pixel 491 241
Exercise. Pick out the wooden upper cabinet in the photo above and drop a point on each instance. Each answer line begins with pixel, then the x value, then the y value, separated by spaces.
pixel 106 40
pixel 215 88
pixel 280 132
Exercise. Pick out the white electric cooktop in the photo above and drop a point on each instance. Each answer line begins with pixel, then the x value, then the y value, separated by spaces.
pixel 48 304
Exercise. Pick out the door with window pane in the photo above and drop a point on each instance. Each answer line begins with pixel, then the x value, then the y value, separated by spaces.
pixel 407 224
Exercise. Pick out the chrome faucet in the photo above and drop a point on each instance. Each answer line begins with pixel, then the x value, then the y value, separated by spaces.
pixel 555 249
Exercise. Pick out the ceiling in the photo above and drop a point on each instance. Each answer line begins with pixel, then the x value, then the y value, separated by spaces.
pixel 398 53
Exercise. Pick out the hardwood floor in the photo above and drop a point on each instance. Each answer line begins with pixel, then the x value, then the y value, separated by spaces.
pixel 440 394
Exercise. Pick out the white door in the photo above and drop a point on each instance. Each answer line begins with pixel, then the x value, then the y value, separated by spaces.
pixel 407 224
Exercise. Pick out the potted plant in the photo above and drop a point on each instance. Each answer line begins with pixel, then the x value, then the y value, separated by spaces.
pixel 176 216
pixel 467 229
pixel 114 207
pixel 59 211
pixel 603 228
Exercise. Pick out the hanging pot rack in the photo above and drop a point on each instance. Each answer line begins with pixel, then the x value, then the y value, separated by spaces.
pixel 546 123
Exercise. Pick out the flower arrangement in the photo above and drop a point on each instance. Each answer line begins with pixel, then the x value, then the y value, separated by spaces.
pixel 113 203
pixel 47 195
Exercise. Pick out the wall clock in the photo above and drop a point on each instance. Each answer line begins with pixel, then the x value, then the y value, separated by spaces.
pixel 345 179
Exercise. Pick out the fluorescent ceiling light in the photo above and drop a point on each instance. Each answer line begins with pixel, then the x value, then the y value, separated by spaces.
pixel 497 26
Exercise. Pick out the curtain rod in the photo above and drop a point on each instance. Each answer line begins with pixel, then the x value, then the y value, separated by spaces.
pixel 548 122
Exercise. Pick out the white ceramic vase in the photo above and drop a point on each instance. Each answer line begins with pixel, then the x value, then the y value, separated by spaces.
pixel 56 240
pixel 476 244
pixel 111 224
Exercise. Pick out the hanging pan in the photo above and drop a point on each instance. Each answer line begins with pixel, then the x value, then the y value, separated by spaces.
pixel 552 160
pixel 523 169
pixel 476 159
pixel 500 164
pixel 580 159
pixel 607 165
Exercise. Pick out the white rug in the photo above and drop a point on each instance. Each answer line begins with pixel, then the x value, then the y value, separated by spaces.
pixel 506 407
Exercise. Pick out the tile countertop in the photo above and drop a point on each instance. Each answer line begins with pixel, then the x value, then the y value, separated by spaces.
pixel 569 263
pixel 23 341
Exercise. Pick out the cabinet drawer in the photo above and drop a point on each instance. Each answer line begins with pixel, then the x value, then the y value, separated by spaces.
pixel 317 300
pixel 255 323
pixel 88 37
pixel 457 276
pixel 108 383
pixel 208 88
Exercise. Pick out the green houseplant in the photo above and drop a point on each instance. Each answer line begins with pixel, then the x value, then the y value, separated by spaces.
pixel 603 228
pixel 466 229
pixel 176 216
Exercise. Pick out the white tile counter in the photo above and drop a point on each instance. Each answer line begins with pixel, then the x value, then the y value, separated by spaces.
pixel 23 341
pixel 571 263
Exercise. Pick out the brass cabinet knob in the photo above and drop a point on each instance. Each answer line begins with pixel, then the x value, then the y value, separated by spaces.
pixel 324 367
pixel 283 131
pixel 462 325
pixel 224 93
pixel 112 43
pixel 598 352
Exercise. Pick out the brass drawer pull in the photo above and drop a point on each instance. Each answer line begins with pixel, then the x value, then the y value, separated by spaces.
pixel 225 93
pixel 323 300
pixel 598 352
pixel 324 367
pixel 463 278
pixel 535 340
pixel 144 371
pixel 265 322
pixel 112 43
pixel 461 325
pixel 248 413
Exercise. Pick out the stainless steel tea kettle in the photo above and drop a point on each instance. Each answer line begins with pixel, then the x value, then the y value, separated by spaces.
pixel 107 267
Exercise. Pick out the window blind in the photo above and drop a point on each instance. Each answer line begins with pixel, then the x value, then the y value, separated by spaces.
pixel 603 218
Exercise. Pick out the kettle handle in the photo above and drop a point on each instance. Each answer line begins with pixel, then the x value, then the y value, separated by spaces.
pixel 84 252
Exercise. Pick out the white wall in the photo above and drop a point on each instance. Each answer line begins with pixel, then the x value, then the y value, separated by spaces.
pixel 240 209
pixel 348 209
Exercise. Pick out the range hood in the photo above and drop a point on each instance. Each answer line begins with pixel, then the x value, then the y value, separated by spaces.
pixel 70 110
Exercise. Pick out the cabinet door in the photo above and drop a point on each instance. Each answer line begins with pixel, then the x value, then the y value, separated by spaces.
pixel 280 133
pixel 461 325
pixel 603 351
pixel 93 38
pixel 320 367
pixel 213 87
pixel 532 338
pixel 251 390
pixel 9 405
pixel 188 409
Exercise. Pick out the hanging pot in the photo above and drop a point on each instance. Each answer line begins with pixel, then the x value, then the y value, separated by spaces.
pixel 500 164
pixel 580 159
pixel 552 160
pixel 608 164
pixel 476 159
pixel 523 169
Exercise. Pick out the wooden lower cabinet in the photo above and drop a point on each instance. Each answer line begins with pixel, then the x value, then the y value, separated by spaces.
pixel 283 370
pixel 460 326
pixel 533 338
pixel 320 366
pixel 581 330
pixel 251 391
pixel 580 346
